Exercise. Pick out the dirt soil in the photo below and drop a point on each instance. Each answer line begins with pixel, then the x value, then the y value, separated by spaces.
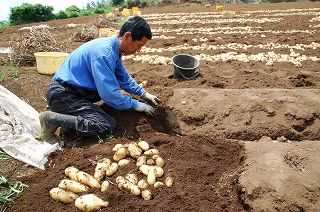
pixel 206 166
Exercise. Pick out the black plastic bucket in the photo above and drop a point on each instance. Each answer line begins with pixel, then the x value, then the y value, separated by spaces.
pixel 185 66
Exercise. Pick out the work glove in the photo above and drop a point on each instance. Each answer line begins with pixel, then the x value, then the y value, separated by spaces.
pixel 150 97
pixel 142 107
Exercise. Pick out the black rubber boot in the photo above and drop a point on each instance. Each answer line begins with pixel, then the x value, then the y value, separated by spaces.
pixel 50 121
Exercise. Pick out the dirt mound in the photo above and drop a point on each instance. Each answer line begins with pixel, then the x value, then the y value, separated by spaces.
pixel 282 176
pixel 248 114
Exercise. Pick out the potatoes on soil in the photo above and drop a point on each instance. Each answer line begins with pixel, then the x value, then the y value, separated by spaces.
pixel 127 185
pixel 142 184
pixel 73 186
pixel 120 154
pixel 143 145
pixel 159 161
pixel 71 172
pixel 62 195
pixel 132 178
pixel 87 179
pixel 152 152
pixel 144 169
pixel 134 150
pixel 113 168
pixel 150 162
pixel 168 181
pixel 141 160
pixel 158 184
pixel 90 202
pixel 146 194
pixel 151 178
pixel 101 168
pixel 123 162
pixel 105 186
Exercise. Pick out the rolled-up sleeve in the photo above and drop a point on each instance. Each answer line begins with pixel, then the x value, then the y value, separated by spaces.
pixel 108 85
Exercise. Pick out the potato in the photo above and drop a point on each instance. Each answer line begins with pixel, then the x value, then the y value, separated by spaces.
pixel 145 169
pixel 146 194
pixel 71 172
pixel 113 168
pixel 142 184
pixel 90 202
pixel 62 195
pixel 87 179
pixel 132 178
pixel 158 184
pixel 154 157
pixel 101 168
pixel 117 146
pixel 73 186
pixel 151 178
pixel 141 160
pixel 160 162
pixel 168 181
pixel 127 185
pixel 158 171
pixel 143 145
pixel 104 186
pixel 123 162
pixel 120 154
pixel 134 150
pixel 152 152
pixel 150 162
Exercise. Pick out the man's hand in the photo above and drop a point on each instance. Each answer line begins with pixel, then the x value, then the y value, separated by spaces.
pixel 142 107
pixel 150 97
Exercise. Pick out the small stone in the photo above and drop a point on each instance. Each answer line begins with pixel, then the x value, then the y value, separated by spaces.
pixel 183 102
pixel 265 139
pixel 282 139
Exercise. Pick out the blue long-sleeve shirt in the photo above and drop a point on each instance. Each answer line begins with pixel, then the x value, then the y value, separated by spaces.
pixel 97 65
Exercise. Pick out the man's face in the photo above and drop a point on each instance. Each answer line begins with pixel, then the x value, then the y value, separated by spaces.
pixel 132 47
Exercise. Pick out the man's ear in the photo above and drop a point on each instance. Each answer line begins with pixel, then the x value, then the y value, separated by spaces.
pixel 127 35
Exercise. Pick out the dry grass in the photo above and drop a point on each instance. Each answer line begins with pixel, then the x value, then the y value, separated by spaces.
pixel 36 40
pixel 86 33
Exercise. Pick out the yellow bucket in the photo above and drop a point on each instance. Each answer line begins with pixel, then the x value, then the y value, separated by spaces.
pixel 136 12
pixel 49 62
pixel 106 32
pixel 219 8
pixel 134 9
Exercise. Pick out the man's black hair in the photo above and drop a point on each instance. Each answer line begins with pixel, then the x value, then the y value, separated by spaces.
pixel 138 28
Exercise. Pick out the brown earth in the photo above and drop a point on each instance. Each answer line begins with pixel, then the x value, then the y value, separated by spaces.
pixel 206 168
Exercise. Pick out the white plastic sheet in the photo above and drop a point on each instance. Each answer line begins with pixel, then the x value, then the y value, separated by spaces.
pixel 19 123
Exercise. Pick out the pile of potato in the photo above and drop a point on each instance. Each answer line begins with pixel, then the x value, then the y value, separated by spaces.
pixel 148 160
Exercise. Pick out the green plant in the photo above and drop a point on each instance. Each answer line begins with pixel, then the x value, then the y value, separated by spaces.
pixel 8 191
pixel 4 23
pixel 4 156
pixel 100 140
pixel 61 15
pixel 13 69
pixel 2 75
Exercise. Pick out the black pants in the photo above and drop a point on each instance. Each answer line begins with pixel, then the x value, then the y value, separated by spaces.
pixel 91 119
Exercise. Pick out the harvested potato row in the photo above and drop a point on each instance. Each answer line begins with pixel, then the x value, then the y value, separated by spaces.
pixel 123 183
pixel 62 195
pixel 90 202
pixel 87 179
pixel 73 186
pixel 101 167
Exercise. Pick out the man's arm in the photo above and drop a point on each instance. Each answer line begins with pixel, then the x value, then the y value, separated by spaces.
pixel 108 86
pixel 126 82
